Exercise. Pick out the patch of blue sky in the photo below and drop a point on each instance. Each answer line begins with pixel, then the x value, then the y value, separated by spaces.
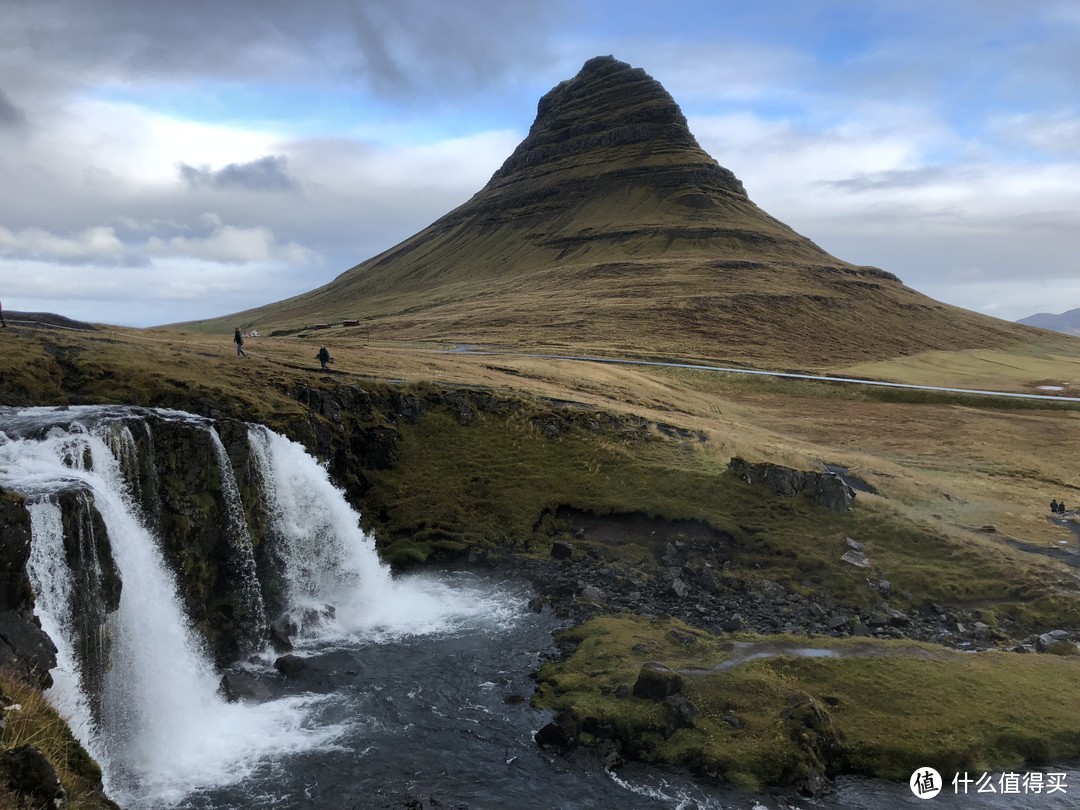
pixel 298 111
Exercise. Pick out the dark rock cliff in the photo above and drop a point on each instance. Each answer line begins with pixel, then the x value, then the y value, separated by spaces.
pixel 184 494
pixel 24 648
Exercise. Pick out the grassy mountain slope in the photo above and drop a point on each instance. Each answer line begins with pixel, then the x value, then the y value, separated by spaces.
pixel 609 228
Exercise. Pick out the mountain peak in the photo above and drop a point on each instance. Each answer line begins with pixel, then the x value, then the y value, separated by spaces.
pixel 610 228
pixel 608 115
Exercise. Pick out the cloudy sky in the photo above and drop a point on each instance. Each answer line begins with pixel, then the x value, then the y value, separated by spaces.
pixel 163 161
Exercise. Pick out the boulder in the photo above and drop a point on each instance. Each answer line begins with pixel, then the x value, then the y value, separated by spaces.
pixel 290 665
pixel 561 733
pixel 812 729
pixel 678 588
pixel 281 633
pixel 678 713
pixel 825 489
pixel 856 558
pixel 32 777
pixel 241 687
pixel 561 550
pixel 656 682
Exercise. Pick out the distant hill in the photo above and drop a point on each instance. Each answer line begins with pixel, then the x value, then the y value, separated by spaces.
pixel 46 319
pixel 1067 322
pixel 609 228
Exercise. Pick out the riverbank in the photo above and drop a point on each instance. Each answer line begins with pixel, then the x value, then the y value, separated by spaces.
pixel 762 687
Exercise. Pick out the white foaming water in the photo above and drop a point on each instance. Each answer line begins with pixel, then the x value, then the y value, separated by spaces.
pixel 164 731
pixel 52 583
pixel 330 561
pixel 240 536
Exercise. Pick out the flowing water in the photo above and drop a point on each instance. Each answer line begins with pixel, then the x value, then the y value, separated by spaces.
pixel 410 692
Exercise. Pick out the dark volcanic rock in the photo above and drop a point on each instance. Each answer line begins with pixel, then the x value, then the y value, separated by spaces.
pixel 656 682
pixel 32 777
pixel 561 550
pixel 24 646
pixel 239 686
pixel 825 489
pixel 678 713
pixel 608 107
pixel 562 732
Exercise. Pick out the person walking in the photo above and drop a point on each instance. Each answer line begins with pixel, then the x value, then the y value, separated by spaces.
pixel 238 339
pixel 323 357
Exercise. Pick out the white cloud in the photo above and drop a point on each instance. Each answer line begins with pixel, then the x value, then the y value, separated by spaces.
pixel 229 244
pixel 36 243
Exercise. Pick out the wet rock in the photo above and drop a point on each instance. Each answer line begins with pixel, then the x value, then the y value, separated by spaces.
pixel 404 408
pixel 241 687
pixel 656 682
pixel 24 647
pixel 290 665
pixel 561 733
pixel 281 633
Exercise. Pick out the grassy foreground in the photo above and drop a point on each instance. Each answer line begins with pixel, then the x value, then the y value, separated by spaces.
pixel 29 720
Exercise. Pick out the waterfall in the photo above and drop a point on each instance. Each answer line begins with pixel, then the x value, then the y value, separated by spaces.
pixel 326 561
pixel 335 585
pixel 163 727
pixel 252 622
pixel 134 679
pixel 54 585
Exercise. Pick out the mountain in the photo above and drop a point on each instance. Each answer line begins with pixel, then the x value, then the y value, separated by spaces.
pixel 1067 322
pixel 610 229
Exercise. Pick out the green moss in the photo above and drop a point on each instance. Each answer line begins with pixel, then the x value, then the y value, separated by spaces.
pixel 896 705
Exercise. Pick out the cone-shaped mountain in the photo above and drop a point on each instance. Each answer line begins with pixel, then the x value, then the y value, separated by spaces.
pixel 609 228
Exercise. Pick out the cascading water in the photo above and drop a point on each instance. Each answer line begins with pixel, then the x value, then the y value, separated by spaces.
pixel 163 727
pixel 328 561
pixel 250 601
pixel 153 715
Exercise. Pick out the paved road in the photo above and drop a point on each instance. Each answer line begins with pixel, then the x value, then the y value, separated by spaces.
pixel 784 374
